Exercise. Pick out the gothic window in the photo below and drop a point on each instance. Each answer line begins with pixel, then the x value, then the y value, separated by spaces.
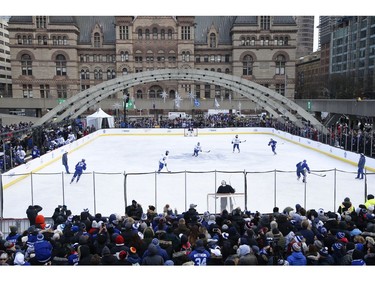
pixel 124 71
pixel 26 65
pixel 247 65
pixel 280 65
pixel 169 34
pixel 212 40
pixel 97 39
pixel 60 65
pixel 154 33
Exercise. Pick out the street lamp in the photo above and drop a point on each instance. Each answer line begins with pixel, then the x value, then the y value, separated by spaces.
pixel 126 100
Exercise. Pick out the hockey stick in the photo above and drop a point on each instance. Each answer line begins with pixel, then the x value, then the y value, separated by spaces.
pixel 207 151
pixel 319 175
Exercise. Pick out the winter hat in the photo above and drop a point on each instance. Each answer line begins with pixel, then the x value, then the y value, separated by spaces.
pixel 321 212
pixel 318 244
pixel 192 206
pixel 122 255
pixel 225 235
pixel 13 228
pixel 94 224
pixel 255 249
pixel 211 220
pixel 323 230
pixel 359 246
pixel 298 207
pixel 169 262
pixel 144 217
pixel 324 252
pixel 347 200
pixel 224 227
pixel 337 246
pixel 133 250
pixel 40 237
pixel 273 224
pixel 75 228
pixel 199 243
pixel 106 251
pixel 357 254
pixel 299 238
pixel 296 247
pixel 355 232
pixel 340 235
pixel 243 250
pixel 370 240
pixel 119 240
pixel 216 252
pixel 155 241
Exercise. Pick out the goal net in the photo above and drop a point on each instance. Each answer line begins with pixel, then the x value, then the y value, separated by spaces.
pixel 190 132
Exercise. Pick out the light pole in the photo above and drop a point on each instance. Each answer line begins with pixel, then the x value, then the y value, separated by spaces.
pixel 126 100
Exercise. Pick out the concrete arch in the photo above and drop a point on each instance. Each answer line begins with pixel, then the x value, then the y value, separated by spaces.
pixel 270 100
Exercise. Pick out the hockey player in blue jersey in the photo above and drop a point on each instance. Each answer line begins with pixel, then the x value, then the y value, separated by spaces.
pixel 273 143
pixel 197 149
pixel 80 167
pixel 302 167
pixel 236 143
pixel 163 161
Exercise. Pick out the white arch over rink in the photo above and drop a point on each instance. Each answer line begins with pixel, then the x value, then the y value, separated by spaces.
pixel 271 101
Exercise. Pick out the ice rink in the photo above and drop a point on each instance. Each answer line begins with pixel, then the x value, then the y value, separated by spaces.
pixel 271 179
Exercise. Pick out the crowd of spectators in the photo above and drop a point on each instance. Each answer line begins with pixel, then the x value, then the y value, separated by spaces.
pixel 292 236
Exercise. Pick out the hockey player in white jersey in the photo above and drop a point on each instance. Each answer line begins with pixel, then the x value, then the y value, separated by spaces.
pixel 197 149
pixel 163 161
pixel 236 143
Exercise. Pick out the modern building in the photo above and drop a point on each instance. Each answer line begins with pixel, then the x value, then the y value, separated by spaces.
pixel 352 57
pixel 305 35
pixel 55 57
pixel 5 65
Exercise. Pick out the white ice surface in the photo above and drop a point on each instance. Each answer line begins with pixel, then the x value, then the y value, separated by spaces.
pixel 110 156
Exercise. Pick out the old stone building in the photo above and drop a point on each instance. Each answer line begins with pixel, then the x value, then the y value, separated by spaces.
pixel 55 57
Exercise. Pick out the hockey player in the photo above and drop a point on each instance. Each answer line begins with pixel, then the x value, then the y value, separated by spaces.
pixel 163 161
pixel 20 155
pixel 273 143
pixel 302 167
pixel 197 149
pixel 80 166
pixel 361 166
pixel 236 143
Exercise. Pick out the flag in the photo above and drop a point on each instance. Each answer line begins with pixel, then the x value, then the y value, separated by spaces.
pixel 197 103
pixel 217 103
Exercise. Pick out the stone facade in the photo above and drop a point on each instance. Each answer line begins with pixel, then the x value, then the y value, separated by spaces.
pixel 55 57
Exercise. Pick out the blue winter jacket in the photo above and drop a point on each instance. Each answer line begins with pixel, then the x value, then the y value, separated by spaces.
pixel 297 258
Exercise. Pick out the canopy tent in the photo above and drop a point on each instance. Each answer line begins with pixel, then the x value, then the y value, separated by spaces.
pixel 100 119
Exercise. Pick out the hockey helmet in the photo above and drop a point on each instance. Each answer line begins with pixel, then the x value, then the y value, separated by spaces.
pixel 198 143
pixel 304 161
pixel 83 160
pixel 167 152
pixel 236 136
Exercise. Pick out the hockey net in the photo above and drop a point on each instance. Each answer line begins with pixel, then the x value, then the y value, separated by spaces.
pixel 190 132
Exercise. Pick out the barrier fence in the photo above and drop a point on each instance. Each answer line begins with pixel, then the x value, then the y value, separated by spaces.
pixel 109 193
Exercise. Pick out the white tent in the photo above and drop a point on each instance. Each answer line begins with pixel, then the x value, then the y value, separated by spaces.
pixel 100 119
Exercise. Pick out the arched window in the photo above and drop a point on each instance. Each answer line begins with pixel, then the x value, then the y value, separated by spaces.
pixel 29 39
pixel 139 94
pixel 154 33
pixel 45 40
pixel 60 65
pixel 162 34
pixel 97 39
pixel 212 40
pixel 247 65
pixel 169 34
pixel 85 74
pixel 124 71
pixel 111 74
pixel 122 55
pixel 59 38
pixel 247 43
pixel 26 65
pixel 19 39
pixel 280 65
pixel 139 33
pixel 147 34
pixel 65 40
pixel 98 74
pixel 242 41
pixel 40 40
pixel 252 41
pixel 54 40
